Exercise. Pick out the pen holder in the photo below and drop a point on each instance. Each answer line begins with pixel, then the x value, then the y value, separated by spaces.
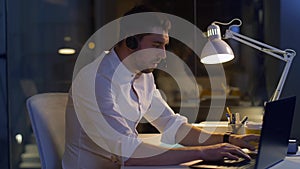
pixel 236 128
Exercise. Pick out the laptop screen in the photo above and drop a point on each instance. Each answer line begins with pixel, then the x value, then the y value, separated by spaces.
pixel 277 123
pixel 276 128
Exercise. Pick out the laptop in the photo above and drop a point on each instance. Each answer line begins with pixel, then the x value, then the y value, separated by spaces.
pixel 276 128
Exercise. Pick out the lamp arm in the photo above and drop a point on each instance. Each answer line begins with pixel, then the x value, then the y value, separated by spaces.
pixel 281 82
pixel 286 55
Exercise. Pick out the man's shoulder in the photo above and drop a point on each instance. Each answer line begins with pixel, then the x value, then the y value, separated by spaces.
pixel 108 64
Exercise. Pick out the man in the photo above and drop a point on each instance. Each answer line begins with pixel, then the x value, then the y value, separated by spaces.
pixel 110 96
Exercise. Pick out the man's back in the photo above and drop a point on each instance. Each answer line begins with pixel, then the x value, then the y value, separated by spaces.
pixel 80 150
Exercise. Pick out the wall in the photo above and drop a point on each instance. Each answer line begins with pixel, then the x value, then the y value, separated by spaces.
pixel 289 38
pixel 36 29
pixel 4 141
pixel 282 30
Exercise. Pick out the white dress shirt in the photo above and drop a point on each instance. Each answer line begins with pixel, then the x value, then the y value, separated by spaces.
pixel 108 101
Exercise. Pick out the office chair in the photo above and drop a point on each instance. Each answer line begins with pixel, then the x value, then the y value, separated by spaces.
pixel 47 115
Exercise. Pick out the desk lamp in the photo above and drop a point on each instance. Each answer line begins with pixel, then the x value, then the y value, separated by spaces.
pixel 217 51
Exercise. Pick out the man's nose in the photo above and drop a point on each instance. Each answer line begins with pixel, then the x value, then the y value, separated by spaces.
pixel 162 54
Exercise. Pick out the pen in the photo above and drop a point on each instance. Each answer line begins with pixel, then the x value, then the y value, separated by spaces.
pixel 228 118
pixel 237 118
pixel 228 111
pixel 230 115
pixel 233 119
pixel 244 120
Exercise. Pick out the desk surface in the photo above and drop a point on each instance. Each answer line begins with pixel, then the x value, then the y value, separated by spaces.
pixel 290 162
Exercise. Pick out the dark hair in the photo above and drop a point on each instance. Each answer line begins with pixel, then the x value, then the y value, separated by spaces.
pixel 130 27
pixel 140 9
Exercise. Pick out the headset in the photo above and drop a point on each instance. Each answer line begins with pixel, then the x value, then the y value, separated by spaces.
pixel 132 42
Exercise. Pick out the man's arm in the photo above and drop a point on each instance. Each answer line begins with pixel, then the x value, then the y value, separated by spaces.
pixel 193 136
pixel 189 135
pixel 198 145
pixel 147 154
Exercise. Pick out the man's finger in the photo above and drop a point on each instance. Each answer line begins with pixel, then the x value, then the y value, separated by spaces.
pixel 230 156
pixel 235 151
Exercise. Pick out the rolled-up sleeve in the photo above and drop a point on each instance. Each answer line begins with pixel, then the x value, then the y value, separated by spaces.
pixel 164 119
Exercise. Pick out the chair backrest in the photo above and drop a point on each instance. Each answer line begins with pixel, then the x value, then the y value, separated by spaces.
pixel 47 115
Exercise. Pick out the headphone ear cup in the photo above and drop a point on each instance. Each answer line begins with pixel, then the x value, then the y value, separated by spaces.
pixel 132 42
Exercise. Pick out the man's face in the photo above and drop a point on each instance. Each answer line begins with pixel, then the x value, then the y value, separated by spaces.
pixel 152 51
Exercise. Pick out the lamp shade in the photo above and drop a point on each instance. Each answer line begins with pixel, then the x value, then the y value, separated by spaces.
pixel 215 50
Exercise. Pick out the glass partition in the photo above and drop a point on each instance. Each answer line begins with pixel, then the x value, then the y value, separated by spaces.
pixel 36 29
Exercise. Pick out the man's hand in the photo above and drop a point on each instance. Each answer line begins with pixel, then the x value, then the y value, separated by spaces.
pixel 220 151
pixel 245 141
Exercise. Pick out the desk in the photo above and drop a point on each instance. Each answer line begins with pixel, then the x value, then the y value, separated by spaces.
pixel 207 113
pixel 290 162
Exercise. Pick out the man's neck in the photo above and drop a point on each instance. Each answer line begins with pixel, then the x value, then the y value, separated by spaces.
pixel 123 56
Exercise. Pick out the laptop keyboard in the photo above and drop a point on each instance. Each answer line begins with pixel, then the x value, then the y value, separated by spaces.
pixel 238 163
pixel 226 163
